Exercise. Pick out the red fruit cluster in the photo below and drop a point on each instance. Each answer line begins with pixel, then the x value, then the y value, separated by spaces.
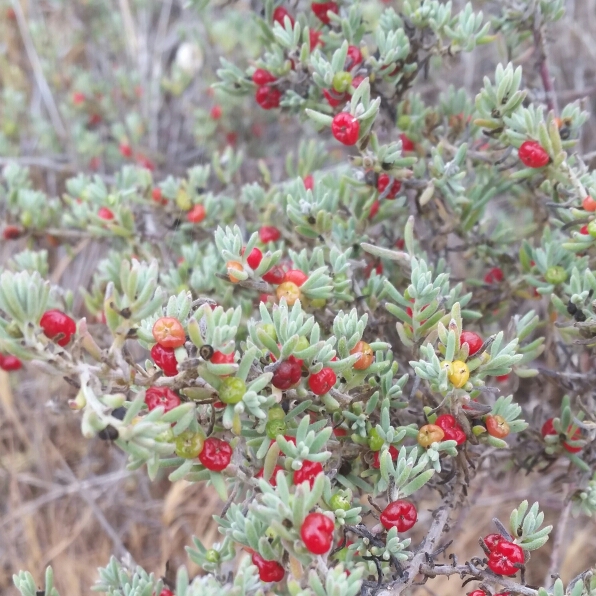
pixel 533 155
pixel 269 571
pixel 56 324
pixel 279 15
pixel 385 181
pixel 400 514
pixel 345 128
pixel 473 340
pixel 377 457
pixel 197 214
pixel 269 234
pixel 216 454
pixel 268 97
pixel 11 233
pixel 308 472
pixel 321 382
pixel 254 258
pixel 10 363
pixel 317 533
pixel 505 557
pixel 548 428
pixel 495 275
pixel 273 479
pixel 161 396
pixel 288 373
pixel 165 358
pixel 451 429
pixel 322 8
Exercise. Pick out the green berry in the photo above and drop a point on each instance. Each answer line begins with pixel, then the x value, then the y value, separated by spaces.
pixel 273 428
pixel 403 122
pixel 232 390
pixel 339 501
pixel 592 228
pixel 276 413
pixel 212 556
pixel 269 329
pixel 375 442
pixel 302 344
pixel 189 445
pixel 555 275
pixel 341 81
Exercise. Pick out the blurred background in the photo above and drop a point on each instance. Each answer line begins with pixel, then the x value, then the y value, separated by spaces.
pixel 87 86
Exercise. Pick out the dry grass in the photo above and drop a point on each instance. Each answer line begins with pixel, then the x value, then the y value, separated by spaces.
pixel 70 503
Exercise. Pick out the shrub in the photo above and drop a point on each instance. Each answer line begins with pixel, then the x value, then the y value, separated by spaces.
pixel 329 331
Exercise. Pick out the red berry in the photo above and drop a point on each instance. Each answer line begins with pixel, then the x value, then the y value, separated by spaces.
pixel 221 358
pixel 269 234
pixel 308 472
pixel 295 276
pixel 322 381
pixel 549 429
pixel 216 454
pixel 265 298
pixel 105 213
pixel 268 97
pixel 406 143
pixel 322 8
pixel 399 514
pixel 502 378
pixel 372 266
pixel 374 209
pixel 166 592
pixel 473 340
pixel 288 373
pixel 314 39
pixel 492 540
pixel 275 275
pixel 495 275
pixel 452 430
pixel 279 15
pixel 400 243
pixel 197 214
pixel 383 182
pixel 273 479
pixel 161 396
pixel 144 161
pixel 317 533
pixel 345 128
pixel 94 119
pixel 157 196
pixel 309 182
pixel 477 593
pixel 353 58
pixel 216 112
pixel 10 363
pixel 165 359
pixel 533 155
pixel 269 571
pixel 11 233
pixel 125 149
pixel 503 558
pixel 584 230
pixel 262 77
pixel 357 80
pixel 589 204
pixel 78 98
pixel 335 99
pixel 56 323
pixel 254 258
pixel 377 457
pixel 168 332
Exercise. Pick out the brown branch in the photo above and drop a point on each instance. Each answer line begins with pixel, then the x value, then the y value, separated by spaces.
pixel 416 565
pixel 543 69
